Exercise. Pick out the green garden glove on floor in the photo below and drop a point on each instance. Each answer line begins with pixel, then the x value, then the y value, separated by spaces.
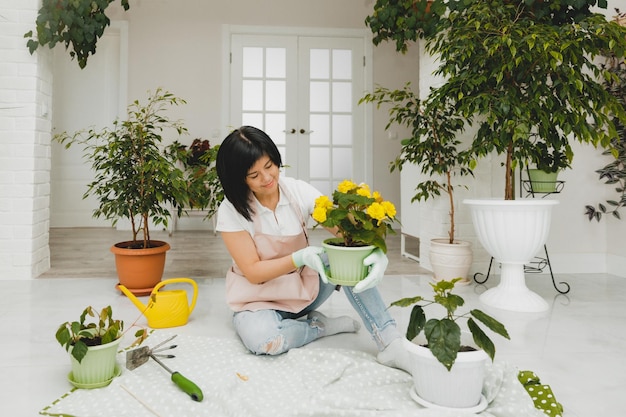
pixel 542 395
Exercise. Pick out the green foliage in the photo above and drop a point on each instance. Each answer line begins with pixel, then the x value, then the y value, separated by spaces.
pixel 75 23
pixel 403 21
pixel 547 160
pixel 614 173
pixel 134 178
pixel 518 76
pixel 198 162
pixel 444 335
pixel 526 69
pixel 79 335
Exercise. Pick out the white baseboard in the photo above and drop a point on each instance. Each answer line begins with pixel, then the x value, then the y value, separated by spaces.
pixel 616 265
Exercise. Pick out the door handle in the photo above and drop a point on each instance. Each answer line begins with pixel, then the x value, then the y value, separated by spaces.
pixel 305 132
pixel 291 132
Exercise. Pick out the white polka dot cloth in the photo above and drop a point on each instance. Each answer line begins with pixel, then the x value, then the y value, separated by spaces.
pixel 303 382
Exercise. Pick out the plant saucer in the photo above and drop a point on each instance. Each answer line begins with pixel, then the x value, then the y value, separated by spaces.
pixel 117 372
pixel 482 405
pixel 139 292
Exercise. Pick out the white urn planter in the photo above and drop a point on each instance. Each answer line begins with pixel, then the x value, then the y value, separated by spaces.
pixel 512 231
pixel 458 389
pixel 450 260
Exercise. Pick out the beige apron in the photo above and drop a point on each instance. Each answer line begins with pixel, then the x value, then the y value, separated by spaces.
pixel 291 292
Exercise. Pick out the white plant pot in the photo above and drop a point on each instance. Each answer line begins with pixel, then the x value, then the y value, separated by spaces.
pixel 512 231
pixel 450 260
pixel 459 388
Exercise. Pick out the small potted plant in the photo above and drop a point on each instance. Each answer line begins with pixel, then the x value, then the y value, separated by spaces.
pixel 362 219
pixel 437 380
pixel 546 165
pixel 433 147
pixel 136 180
pixel 93 346
pixel 198 163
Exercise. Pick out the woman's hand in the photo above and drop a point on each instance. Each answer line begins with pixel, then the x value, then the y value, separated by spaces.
pixel 310 256
pixel 378 261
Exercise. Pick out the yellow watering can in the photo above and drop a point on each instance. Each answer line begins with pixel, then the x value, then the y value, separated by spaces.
pixel 166 308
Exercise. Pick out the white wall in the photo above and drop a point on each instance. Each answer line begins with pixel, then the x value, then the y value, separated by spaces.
pixel 25 105
pixel 184 55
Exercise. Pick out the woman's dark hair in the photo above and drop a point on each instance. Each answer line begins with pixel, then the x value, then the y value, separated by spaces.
pixel 236 155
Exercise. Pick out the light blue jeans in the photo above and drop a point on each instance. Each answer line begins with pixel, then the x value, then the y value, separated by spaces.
pixel 272 332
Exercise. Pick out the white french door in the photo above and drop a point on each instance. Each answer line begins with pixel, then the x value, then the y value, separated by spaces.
pixel 303 91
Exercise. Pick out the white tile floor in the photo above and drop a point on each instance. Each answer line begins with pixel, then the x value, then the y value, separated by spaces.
pixel 577 347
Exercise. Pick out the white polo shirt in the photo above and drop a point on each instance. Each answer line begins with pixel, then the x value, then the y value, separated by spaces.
pixel 281 222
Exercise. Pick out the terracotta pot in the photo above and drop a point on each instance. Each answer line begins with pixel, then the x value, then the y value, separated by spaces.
pixel 140 270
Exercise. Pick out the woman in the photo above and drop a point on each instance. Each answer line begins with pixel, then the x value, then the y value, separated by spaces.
pixel 277 280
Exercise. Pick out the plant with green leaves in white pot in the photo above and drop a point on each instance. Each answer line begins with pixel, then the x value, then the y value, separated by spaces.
pixel 518 70
pixel 448 372
pixel 434 148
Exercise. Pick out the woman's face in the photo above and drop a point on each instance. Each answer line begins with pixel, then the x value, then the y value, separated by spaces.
pixel 262 178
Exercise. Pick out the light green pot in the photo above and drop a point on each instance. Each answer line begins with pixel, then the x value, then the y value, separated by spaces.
pixel 346 263
pixel 98 367
pixel 541 181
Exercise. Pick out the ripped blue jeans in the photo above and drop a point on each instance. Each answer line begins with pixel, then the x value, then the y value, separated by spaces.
pixel 272 332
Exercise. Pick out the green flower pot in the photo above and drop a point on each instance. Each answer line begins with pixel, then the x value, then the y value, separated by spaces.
pixel 346 263
pixel 541 181
pixel 98 367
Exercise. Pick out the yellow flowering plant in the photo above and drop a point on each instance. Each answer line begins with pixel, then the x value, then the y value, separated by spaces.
pixel 361 216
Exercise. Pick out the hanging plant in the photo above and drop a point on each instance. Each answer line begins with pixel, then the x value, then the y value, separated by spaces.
pixel 78 24
pixel 614 173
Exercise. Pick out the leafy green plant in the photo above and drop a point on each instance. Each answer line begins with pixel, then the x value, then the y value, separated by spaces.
pixel 444 335
pixel 548 160
pixel 77 336
pixel 433 145
pixel 524 69
pixel 198 162
pixel 78 24
pixel 404 20
pixel 518 75
pixel 614 173
pixel 135 178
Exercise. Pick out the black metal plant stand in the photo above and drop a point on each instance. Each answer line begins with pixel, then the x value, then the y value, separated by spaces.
pixel 538 264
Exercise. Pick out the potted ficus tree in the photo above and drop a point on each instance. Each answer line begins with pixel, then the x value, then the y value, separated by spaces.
pixel 136 180
pixel 434 148
pixel 439 344
pixel 518 70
